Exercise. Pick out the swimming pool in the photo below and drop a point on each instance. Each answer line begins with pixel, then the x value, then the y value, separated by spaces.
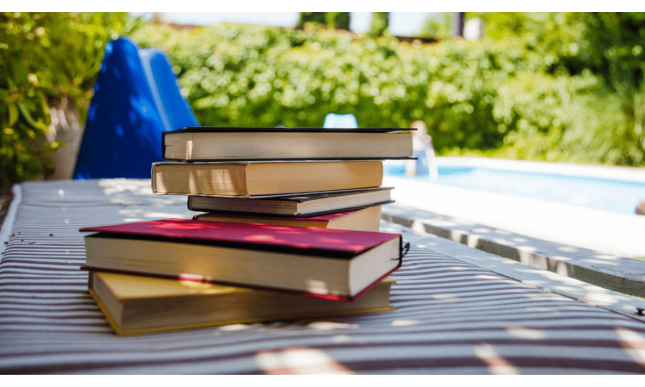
pixel 599 192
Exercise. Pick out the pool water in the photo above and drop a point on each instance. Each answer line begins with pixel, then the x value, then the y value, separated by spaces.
pixel 604 194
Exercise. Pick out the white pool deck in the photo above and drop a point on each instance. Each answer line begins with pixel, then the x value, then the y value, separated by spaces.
pixel 603 231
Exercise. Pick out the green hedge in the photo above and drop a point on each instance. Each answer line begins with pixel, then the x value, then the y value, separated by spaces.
pixel 506 97
pixel 602 122
pixel 472 95
pixel 565 98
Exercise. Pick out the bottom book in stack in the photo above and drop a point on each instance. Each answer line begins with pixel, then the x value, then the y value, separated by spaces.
pixel 135 305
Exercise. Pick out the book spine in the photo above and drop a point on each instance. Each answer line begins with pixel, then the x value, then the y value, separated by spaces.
pixel 192 207
pixel 163 145
pixel 153 179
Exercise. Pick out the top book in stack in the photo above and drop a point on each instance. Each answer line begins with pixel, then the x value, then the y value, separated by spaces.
pixel 232 144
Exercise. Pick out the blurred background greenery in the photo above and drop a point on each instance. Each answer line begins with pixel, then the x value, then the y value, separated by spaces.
pixel 46 58
pixel 538 86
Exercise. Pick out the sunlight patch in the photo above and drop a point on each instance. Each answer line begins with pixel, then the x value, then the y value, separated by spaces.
pixel 481 230
pixel 445 296
pixel 299 361
pixel 330 325
pixel 603 298
pixel 600 262
pixel 633 343
pixel 340 339
pixel 497 365
pixel 525 333
pixel 404 323
pixel 317 286
pixel 234 327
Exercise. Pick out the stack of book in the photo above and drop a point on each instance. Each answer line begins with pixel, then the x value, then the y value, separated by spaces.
pixel 290 231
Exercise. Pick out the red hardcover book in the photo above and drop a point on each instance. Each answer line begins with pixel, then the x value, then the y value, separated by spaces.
pixel 366 219
pixel 334 264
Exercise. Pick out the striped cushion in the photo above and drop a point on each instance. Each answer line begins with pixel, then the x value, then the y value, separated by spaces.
pixel 451 317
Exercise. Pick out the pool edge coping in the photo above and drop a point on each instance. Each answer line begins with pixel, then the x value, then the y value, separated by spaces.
pixel 517 271
pixel 555 257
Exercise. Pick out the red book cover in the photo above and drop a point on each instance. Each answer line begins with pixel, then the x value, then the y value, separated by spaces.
pixel 336 242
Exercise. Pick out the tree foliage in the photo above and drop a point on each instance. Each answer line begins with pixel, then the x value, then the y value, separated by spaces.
pixel 259 76
pixel 608 45
pixel 380 23
pixel 44 56
pixel 533 93
pixel 334 20
pixel 543 86
pixel 437 26
pixel 337 20
pixel 311 17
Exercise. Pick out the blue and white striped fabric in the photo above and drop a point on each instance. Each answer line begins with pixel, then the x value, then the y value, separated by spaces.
pixel 450 317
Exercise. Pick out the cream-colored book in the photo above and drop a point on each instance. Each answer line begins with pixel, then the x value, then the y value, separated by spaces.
pixel 253 179
pixel 220 143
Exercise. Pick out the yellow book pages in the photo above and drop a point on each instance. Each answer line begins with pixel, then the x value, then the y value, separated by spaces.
pixel 208 178
pixel 367 219
pixel 128 287
pixel 124 332
pixel 222 144
pixel 134 304
pixel 284 178
pixel 264 178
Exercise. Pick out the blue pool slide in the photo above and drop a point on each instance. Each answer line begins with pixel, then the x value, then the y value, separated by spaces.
pixel 136 98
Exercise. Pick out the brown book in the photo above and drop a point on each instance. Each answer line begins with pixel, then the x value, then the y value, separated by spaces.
pixel 257 179
pixel 367 219
pixel 302 205
pixel 225 143
pixel 134 305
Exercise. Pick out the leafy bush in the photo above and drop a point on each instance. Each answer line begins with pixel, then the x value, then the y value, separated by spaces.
pixel 561 87
pixel 337 20
pixel 531 90
pixel 44 56
pixel 470 94
pixel 437 26
pixel 605 124
pixel 604 131
pixel 380 23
